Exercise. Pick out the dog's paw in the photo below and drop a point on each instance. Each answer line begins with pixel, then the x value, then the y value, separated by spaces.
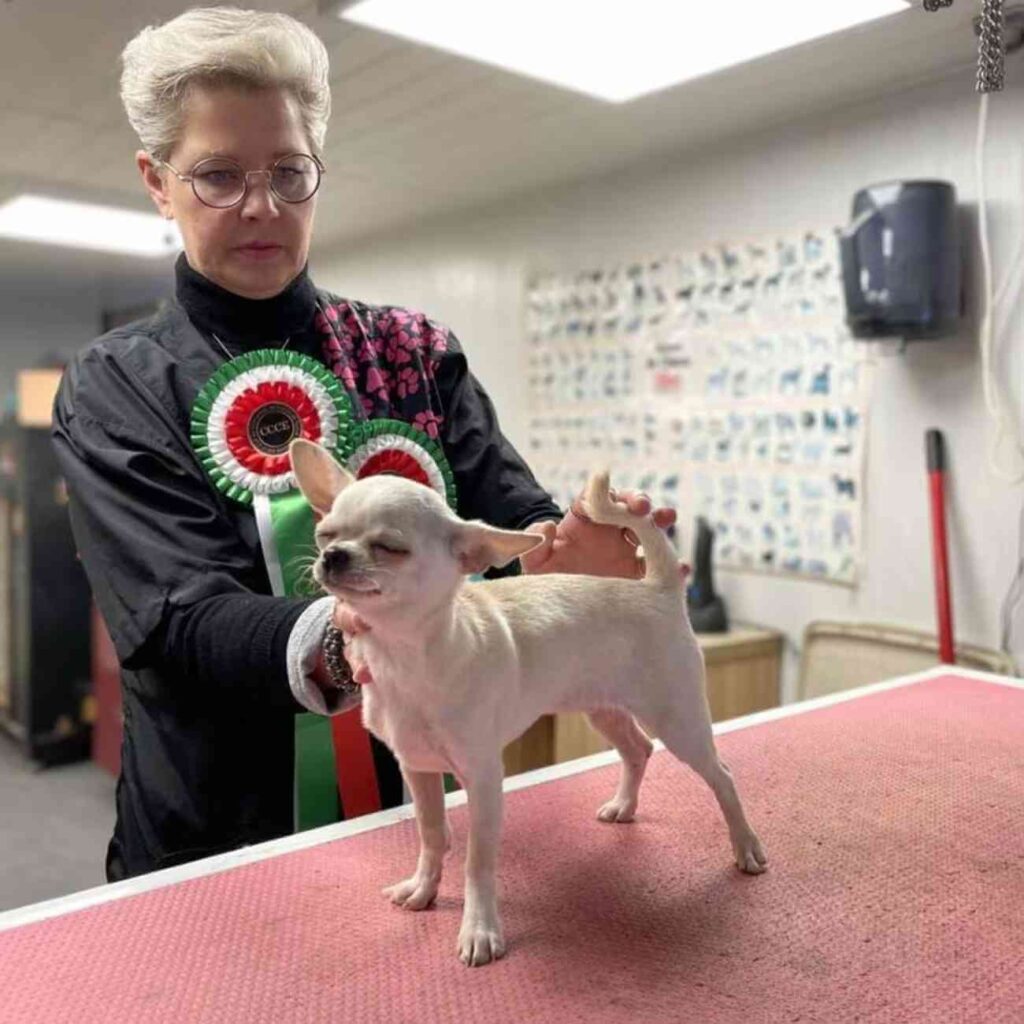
pixel 414 893
pixel 480 942
pixel 750 856
pixel 617 810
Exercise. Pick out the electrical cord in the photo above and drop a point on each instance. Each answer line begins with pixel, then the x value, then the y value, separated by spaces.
pixel 1005 427
pixel 991 28
pixel 989 334
pixel 1013 595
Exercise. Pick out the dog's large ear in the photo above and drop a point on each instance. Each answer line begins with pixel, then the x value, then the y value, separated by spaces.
pixel 478 546
pixel 318 474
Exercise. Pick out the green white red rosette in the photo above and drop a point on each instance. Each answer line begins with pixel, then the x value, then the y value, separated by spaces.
pixel 250 411
pixel 391 446
pixel 254 406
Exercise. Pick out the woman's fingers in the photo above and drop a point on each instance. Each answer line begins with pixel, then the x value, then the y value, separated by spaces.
pixel 664 518
pixel 533 561
pixel 639 504
pixel 348 621
pixel 351 625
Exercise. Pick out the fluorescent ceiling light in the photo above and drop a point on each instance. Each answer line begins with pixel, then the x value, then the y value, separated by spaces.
pixel 615 51
pixel 87 226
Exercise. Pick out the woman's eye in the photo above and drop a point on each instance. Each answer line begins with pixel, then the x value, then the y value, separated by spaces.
pixel 219 177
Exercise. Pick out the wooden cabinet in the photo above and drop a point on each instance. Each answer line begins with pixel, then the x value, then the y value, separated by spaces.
pixel 744 669
pixel 743 673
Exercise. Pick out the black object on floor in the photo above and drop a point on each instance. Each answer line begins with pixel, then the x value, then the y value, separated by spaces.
pixel 707 610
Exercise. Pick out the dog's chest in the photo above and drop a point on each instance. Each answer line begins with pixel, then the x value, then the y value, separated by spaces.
pixel 416 734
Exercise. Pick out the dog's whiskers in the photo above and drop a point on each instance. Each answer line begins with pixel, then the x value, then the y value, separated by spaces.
pixel 303 566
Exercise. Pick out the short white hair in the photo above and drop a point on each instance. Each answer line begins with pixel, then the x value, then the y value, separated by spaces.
pixel 221 46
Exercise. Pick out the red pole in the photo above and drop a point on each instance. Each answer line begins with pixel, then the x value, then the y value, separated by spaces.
pixel 936 455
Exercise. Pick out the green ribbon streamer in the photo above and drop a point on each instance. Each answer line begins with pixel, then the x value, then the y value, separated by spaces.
pixel 292 520
pixel 316 787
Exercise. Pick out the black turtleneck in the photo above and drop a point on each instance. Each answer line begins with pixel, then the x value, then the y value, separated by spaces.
pixel 227 641
pixel 242 323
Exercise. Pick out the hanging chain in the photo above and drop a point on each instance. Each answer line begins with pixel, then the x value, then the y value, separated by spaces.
pixel 991 29
pixel 990 47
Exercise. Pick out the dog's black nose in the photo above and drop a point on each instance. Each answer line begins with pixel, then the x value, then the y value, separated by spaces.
pixel 336 560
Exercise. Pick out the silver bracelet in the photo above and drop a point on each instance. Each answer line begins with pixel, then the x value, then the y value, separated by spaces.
pixel 338 670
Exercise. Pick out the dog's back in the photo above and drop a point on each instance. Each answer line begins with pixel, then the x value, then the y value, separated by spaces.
pixel 575 643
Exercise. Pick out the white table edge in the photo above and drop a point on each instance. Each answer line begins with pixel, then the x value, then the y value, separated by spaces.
pixel 47 909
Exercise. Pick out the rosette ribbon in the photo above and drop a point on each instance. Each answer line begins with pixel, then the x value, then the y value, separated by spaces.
pixel 243 422
pixel 391 446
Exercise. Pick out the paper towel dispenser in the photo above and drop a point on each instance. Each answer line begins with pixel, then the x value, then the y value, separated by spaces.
pixel 901 261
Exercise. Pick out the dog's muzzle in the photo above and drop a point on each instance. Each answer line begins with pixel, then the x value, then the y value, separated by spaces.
pixel 336 561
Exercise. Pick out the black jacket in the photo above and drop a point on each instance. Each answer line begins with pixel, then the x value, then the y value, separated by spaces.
pixel 176 568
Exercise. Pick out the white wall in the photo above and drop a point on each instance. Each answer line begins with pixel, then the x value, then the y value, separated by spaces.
pixel 469 271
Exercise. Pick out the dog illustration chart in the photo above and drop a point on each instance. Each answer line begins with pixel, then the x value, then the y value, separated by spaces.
pixel 722 382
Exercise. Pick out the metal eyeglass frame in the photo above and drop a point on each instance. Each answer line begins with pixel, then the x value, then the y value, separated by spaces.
pixel 190 178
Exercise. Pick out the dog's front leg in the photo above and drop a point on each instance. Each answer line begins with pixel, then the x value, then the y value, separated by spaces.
pixel 481 938
pixel 420 891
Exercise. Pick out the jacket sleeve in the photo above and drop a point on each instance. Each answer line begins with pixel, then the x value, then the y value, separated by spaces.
pixel 493 481
pixel 178 586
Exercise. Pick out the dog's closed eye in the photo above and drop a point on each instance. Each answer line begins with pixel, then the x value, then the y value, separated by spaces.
pixel 388 547
pixel 324 537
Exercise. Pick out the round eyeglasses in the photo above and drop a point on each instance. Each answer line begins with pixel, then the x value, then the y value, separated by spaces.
pixel 220 183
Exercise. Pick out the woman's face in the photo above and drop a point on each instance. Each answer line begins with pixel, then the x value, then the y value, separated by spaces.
pixel 258 246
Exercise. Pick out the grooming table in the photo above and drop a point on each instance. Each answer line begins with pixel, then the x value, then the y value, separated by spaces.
pixel 893 817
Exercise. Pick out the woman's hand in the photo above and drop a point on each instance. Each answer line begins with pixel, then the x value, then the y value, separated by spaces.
pixel 579 545
pixel 352 625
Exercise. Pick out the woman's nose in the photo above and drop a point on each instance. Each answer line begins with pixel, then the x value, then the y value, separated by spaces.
pixel 259 200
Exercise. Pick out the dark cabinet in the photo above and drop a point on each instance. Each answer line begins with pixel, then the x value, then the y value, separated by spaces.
pixel 45 685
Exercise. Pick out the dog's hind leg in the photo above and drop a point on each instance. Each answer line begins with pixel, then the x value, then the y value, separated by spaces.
pixel 620 729
pixel 700 754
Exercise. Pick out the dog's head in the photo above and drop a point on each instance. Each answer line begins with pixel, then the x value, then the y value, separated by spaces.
pixel 384 540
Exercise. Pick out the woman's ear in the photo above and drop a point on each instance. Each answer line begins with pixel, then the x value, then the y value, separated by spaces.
pixel 155 182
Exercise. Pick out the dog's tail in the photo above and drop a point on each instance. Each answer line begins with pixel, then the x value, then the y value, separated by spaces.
pixel 662 567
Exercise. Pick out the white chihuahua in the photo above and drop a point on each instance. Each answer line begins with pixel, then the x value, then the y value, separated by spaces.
pixel 461 670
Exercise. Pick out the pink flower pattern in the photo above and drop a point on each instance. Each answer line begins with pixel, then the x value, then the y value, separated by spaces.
pixel 408 382
pixel 428 422
pixel 387 359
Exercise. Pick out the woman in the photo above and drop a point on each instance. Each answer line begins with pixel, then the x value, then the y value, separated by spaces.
pixel 231 109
